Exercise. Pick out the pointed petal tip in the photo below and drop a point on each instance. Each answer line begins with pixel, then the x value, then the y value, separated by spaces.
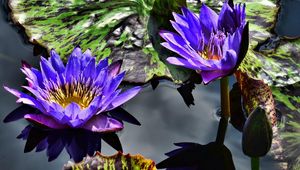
pixel 44 120
pixel 25 64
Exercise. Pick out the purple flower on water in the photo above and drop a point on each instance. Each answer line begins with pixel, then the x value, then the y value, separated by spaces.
pixel 77 95
pixel 212 45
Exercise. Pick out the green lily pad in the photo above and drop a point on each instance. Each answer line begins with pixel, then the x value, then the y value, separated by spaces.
pixel 118 30
pixel 288 104
pixel 118 161
pixel 109 28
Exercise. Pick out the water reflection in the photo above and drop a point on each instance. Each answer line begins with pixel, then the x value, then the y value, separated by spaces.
pixel 77 142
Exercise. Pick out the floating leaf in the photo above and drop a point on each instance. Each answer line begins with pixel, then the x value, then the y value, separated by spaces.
pixel 118 29
pixel 257 134
pixel 118 161
pixel 288 104
pixel 109 28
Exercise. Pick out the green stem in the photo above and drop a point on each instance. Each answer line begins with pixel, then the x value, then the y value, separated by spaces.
pixel 255 163
pixel 225 110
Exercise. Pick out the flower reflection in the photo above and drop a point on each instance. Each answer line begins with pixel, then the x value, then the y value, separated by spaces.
pixel 78 142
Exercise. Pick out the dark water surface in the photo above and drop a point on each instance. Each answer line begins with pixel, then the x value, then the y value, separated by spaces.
pixel 164 117
pixel 289 22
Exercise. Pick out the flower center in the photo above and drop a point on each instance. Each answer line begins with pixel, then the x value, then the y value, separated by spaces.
pixel 80 93
pixel 213 49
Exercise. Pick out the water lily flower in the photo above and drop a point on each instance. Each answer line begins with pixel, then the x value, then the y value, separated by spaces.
pixel 77 95
pixel 213 45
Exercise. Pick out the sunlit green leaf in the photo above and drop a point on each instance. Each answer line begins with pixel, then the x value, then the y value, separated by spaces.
pixel 118 161
pixel 288 104
pixel 109 28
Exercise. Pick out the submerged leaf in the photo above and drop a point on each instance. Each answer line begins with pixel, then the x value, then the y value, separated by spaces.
pixel 118 161
pixel 256 93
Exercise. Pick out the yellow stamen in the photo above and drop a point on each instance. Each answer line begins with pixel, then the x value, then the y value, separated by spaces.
pixel 208 56
pixel 79 93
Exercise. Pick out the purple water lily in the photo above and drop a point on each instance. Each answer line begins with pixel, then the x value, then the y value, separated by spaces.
pixel 212 45
pixel 77 95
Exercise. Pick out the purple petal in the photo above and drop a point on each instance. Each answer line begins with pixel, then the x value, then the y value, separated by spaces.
pixel 39 77
pixel 72 110
pixel 58 116
pixel 55 107
pixel 208 20
pixel 240 14
pixel 87 113
pixel 192 20
pixel 229 61
pixel 180 19
pixel 124 97
pixel 76 52
pixel 44 120
pixel 48 71
pixel 102 77
pixel 114 68
pixel 89 70
pixel 178 45
pixel 56 62
pixel 227 19
pixel 208 76
pixel 102 64
pixel 194 59
pixel 191 37
pixel 114 84
pixel 85 58
pixel 31 77
pixel 107 100
pixel 102 123
pixel 26 99
pixel 72 69
pixel 182 62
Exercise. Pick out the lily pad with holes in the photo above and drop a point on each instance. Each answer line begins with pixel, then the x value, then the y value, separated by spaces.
pixel 118 161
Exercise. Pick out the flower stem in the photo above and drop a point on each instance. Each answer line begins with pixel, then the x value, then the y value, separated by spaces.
pixel 225 110
pixel 254 163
